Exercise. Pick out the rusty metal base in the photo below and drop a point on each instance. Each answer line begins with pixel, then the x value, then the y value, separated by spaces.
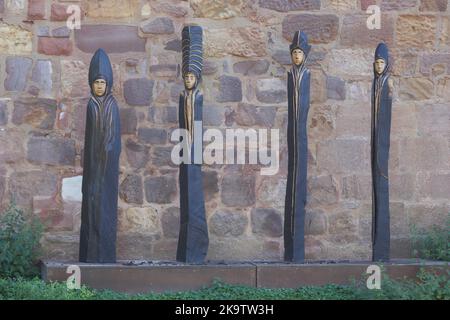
pixel 159 276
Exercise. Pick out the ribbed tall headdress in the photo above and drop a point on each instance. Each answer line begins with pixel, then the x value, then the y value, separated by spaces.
pixel 192 47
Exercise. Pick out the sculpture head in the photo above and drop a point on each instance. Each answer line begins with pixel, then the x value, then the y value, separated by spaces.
pixel 381 63
pixel 99 87
pixel 100 74
pixel 298 56
pixel 299 48
pixel 190 81
pixel 192 45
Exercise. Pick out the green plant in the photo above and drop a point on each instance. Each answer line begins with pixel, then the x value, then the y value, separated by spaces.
pixel 432 244
pixel 428 286
pixel 19 242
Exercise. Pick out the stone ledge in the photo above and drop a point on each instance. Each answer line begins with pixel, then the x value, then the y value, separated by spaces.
pixel 141 277
pixel 158 277
pixel 318 274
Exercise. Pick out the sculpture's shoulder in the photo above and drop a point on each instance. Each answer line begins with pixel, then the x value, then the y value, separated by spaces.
pixel 307 74
pixel 390 83
pixel 199 94
pixel 91 105
pixel 113 100
pixel 290 77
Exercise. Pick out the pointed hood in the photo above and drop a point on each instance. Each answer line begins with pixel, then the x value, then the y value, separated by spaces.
pixel 300 41
pixel 100 67
pixel 192 47
pixel 382 52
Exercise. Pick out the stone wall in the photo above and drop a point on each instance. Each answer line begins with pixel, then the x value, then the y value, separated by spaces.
pixel 44 91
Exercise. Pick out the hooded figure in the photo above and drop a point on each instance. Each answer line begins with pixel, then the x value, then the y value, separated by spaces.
pixel 382 90
pixel 102 149
pixel 193 237
pixel 298 106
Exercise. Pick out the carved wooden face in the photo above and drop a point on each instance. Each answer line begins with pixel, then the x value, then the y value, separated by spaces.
pixel 189 81
pixel 298 56
pixel 380 65
pixel 99 87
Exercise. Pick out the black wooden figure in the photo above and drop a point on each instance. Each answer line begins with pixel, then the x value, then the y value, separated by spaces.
pixel 193 238
pixel 298 106
pixel 102 149
pixel 382 90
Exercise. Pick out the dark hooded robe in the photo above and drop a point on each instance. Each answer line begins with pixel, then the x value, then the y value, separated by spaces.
pixel 102 149
pixel 380 142
pixel 298 106
pixel 193 237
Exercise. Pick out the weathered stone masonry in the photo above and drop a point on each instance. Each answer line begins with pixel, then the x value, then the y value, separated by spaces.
pixel 44 90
